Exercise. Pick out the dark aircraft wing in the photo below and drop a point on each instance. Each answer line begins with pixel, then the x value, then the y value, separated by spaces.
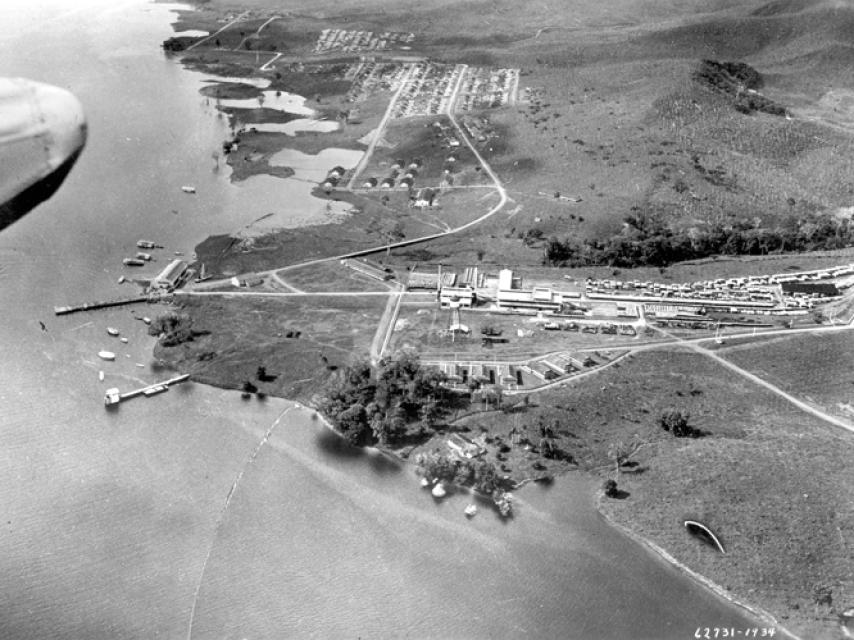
pixel 42 132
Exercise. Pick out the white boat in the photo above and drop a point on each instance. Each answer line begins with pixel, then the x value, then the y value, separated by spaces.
pixel 188 189
pixel 121 279
pixel 147 244
pixel 112 331
pixel 125 340
pixel 425 482
pixel 106 355
pixel 143 256
pixel 146 320
pixel 470 510
pixel 101 376
pixel 439 491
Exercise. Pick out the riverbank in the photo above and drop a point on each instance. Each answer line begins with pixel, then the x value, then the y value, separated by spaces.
pixel 762 615
pixel 752 477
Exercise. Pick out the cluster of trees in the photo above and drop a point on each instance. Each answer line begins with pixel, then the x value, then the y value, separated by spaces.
pixel 173 329
pixel 372 408
pixel 644 244
pixel 478 474
pixel 676 422
pixel 739 81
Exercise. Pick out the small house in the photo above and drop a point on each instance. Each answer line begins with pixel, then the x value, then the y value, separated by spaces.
pixel 463 447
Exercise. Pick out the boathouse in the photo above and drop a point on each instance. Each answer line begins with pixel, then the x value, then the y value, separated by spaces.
pixel 171 277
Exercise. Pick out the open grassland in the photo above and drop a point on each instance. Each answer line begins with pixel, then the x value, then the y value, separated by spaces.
pixel 377 219
pixel 773 483
pixel 816 368
pixel 330 276
pixel 299 341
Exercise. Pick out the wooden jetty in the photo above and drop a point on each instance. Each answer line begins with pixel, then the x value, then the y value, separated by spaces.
pixel 113 396
pixel 102 304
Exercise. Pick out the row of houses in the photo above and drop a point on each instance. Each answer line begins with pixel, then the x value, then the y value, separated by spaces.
pixel 351 40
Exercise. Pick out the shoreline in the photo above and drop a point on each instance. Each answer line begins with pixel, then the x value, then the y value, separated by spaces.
pixel 709 584
pixel 660 552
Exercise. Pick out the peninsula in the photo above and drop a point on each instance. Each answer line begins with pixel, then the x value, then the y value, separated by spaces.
pixel 616 240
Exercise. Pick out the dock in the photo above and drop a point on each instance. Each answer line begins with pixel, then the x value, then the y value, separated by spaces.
pixel 102 304
pixel 114 397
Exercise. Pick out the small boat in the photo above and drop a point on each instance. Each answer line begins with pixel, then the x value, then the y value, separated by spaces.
pixel 121 279
pixel 179 253
pixel 125 340
pixel 188 189
pixel 139 364
pixel 702 532
pixel 470 511
pixel 112 331
pixel 439 491
pixel 146 320
pixel 143 256
pixel 106 355
pixel 133 262
pixel 425 482
pixel 101 376
pixel 147 244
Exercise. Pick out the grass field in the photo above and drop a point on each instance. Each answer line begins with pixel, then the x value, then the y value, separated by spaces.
pixel 816 368
pixel 330 276
pixel 770 480
pixel 248 332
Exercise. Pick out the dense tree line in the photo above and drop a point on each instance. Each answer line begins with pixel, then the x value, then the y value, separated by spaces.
pixel 377 407
pixel 645 243
pixel 738 81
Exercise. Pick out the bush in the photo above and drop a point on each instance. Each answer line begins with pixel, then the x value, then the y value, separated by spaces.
pixel 609 488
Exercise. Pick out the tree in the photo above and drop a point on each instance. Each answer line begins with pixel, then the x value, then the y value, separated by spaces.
pixel 676 421
pixel 673 420
pixel 353 423
pixel 609 488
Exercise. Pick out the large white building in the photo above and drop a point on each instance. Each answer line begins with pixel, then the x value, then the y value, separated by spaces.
pixel 537 298
pixel 171 277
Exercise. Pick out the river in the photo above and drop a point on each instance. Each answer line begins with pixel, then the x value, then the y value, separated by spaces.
pixel 195 513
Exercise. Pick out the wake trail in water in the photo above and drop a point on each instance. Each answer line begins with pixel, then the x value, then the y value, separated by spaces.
pixel 221 517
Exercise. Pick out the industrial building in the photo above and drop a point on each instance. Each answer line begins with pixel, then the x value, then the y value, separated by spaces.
pixel 171 277
pixel 511 296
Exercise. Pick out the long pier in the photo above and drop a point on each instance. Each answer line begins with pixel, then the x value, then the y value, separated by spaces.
pixel 114 397
pixel 102 304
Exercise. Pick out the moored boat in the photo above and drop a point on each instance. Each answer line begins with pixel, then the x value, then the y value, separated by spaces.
pixel 143 256
pixel 106 355
pixel 147 244
pixel 146 320
pixel 439 491
pixel 188 188
pixel 470 511
pixel 112 331
pixel 133 262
